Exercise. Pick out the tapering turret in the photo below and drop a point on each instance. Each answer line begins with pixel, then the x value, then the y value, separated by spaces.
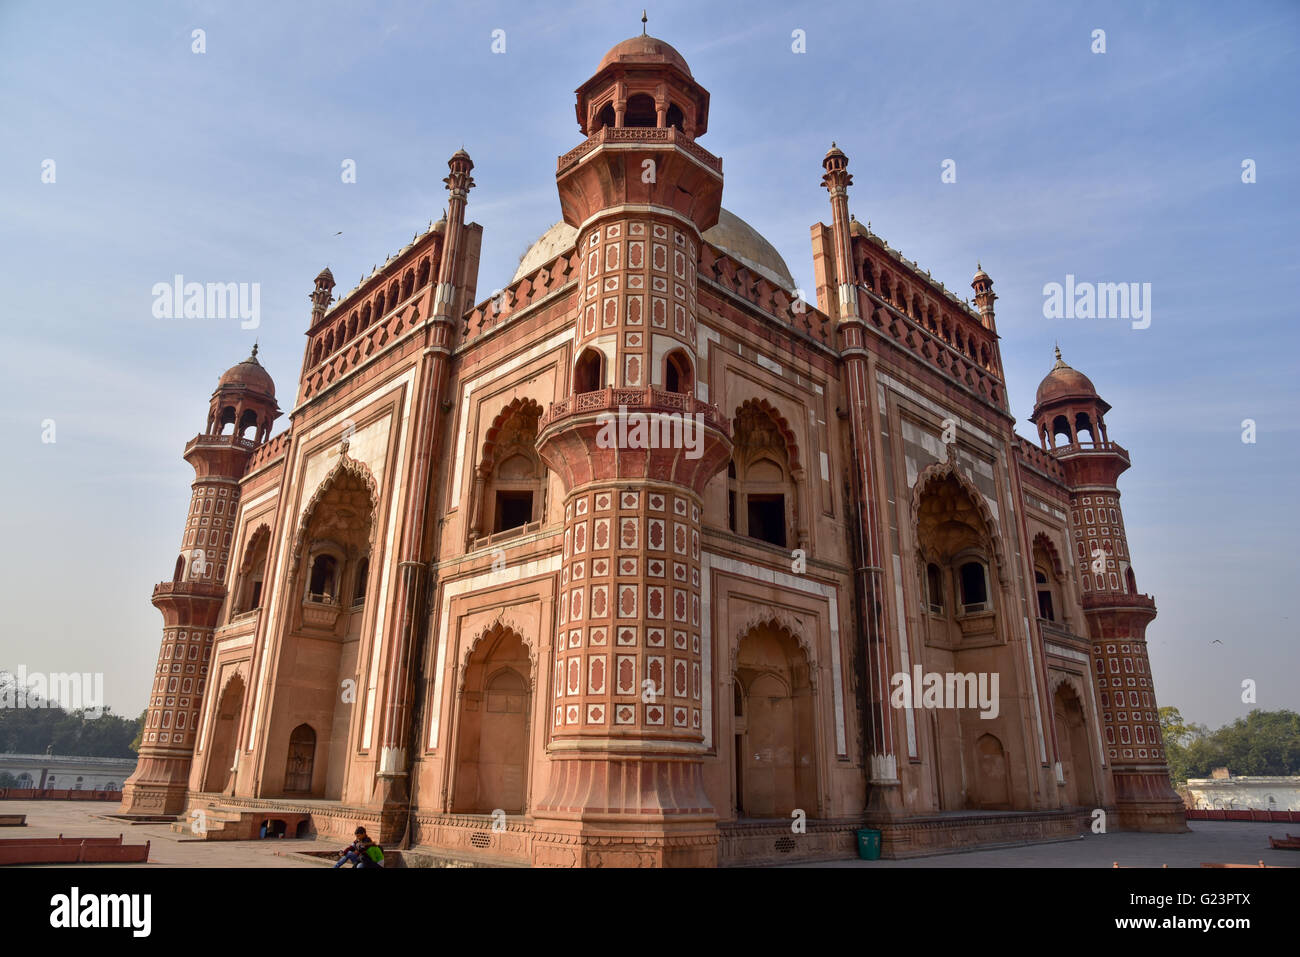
pixel 837 181
pixel 322 295
pixel 984 297
pixel 1067 407
pixel 240 414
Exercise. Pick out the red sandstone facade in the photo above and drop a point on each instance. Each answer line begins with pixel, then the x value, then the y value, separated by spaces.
pixel 444 604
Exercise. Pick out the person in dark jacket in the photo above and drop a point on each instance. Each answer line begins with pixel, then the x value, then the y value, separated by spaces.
pixel 356 851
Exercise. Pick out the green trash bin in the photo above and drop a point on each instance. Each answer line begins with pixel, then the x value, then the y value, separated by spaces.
pixel 869 844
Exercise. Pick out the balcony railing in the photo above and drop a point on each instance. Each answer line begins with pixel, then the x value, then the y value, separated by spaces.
pixel 229 441
pixel 192 589
pixel 648 135
pixel 636 400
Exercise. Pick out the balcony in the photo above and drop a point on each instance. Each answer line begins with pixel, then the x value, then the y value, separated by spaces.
pixel 190 589
pixel 321 611
pixel 648 400
pixel 643 135
pixel 220 441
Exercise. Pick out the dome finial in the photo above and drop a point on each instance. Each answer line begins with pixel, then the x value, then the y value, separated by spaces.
pixel 643 22
pixel 254 355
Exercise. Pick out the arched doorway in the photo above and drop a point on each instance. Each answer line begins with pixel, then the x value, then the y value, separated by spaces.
pixel 323 625
pixel 492 727
pixel 992 790
pixel 301 762
pixel 225 727
pixel 1076 754
pixel 775 760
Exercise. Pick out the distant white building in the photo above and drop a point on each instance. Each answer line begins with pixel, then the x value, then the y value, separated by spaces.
pixel 67 772
pixel 1223 791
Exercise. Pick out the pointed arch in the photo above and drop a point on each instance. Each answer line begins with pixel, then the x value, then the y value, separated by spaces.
pixel 499 628
pixel 1043 541
pixel 765 408
pixel 250 592
pixel 523 406
pixel 346 465
pixel 938 472
pixel 782 622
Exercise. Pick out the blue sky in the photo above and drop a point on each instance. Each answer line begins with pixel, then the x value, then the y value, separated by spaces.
pixel 225 166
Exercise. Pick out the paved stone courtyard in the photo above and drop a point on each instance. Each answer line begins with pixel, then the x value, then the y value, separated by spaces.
pixel 1208 841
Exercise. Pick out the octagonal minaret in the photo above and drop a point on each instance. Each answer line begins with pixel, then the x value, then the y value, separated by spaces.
pixel 634 448
pixel 240 415
pixel 1067 405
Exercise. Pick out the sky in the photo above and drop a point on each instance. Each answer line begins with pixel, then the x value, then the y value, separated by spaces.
pixel 226 166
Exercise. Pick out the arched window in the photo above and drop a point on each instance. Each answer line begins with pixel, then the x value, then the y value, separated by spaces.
pixel 1045 609
pixel 226 421
pixel 247 423
pixel 180 568
pixel 1130 580
pixel 675 117
pixel 589 372
pixel 379 305
pixel 973 578
pixel 322 585
pixel 510 477
pixel 605 117
pixel 763 486
pixel 640 111
pixel 422 278
pixel 1047 579
pixel 1082 426
pixel 677 372
pixel 934 588
pixel 1061 428
pixel 360 581
pixel 252 571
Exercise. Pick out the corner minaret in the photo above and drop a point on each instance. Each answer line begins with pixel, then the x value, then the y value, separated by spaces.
pixel 240 416
pixel 984 297
pixel 884 797
pixel 837 181
pixel 440 331
pixel 1067 407
pixel 321 296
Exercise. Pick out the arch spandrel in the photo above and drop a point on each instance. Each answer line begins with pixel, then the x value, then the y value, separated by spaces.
pixel 938 472
pixel 346 465
pixel 498 628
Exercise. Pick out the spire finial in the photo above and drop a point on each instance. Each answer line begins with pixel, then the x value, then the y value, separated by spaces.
pixel 979 267
pixel 643 22
pixel 254 355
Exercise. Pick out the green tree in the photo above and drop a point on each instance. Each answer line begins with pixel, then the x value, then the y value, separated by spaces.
pixel 139 732
pixel 1262 743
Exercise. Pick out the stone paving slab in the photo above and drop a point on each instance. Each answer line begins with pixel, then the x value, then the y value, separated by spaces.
pixel 168 849
pixel 1234 842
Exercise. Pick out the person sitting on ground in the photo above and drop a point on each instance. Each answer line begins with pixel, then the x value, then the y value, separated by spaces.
pixel 356 851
